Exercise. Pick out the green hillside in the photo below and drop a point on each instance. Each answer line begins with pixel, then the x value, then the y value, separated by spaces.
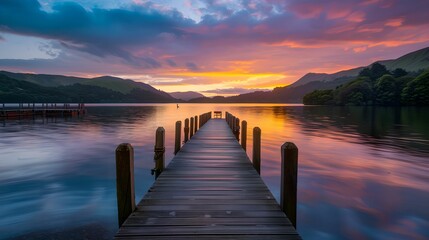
pixel 412 62
pixel 113 83
pixel 15 91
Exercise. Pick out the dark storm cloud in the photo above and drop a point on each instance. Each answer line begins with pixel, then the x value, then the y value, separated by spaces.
pixel 99 31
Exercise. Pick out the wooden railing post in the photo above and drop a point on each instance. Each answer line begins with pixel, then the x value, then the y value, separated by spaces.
pixel 159 149
pixel 191 130
pixel 289 182
pixel 237 129
pixel 244 134
pixel 257 149
pixel 233 123
pixel 125 181
pixel 196 124
pixel 186 130
pixel 178 137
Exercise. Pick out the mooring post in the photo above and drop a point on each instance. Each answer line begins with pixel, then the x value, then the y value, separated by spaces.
pixel 186 130
pixel 178 136
pixel 125 181
pixel 257 149
pixel 159 150
pixel 196 124
pixel 237 128
pixel 244 134
pixel 289 182
pixel 191 130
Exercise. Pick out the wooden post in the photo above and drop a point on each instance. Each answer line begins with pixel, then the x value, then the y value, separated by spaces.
pixel 196 124
pixel 257 149
pixel 186 130
pixel 125 181
pixel 191 130
pixel 237 129
pixel 159 149
pixel 244 134
pixel 288 185
pixel 178 136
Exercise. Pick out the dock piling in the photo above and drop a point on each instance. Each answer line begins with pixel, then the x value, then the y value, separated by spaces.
pixel 159 149
pixel 196 124
pixel 191 130
pixel 178 136
pixel 289 183
pixel 186 130
pixel 244 134
pixel 237 129
pixel 257 149
pixel 125 181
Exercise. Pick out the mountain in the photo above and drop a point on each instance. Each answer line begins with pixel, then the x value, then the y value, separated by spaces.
pixel 124 86
pixel 186 96
pixel 411 62
pixel 13 91
pixel 325 77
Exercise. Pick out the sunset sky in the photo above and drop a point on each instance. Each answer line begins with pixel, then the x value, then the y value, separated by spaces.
pixel 216 47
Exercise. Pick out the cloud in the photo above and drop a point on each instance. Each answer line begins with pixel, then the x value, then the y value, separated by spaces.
pixel 49 50
pixel 171 63
pixel 100 32
pixel 192 67
pixel 231 91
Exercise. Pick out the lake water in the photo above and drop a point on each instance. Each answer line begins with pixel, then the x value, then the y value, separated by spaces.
pixel 363 171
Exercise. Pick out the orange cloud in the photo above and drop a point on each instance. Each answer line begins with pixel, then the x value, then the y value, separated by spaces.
pixel 397 22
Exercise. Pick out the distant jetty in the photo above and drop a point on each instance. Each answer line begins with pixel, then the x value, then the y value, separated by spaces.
pixel 29 110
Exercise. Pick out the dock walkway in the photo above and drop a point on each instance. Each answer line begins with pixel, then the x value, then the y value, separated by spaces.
pixel 209 190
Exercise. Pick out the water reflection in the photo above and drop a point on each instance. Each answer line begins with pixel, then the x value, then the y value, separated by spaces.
pixel 362 171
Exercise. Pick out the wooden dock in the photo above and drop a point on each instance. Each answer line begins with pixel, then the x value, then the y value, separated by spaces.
pixel 209 190
pixel 29 110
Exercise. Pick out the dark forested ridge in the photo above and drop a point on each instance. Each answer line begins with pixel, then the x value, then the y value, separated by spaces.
pixel 14 91
pixel 377 86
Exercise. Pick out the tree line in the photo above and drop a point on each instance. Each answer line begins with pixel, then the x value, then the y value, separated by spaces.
pixel 376 86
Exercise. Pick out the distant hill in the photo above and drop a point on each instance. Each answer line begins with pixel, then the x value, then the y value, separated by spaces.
pixel 325 77
pixel 186 95
pixel 124 86
pixel 14 91
pixel 411 62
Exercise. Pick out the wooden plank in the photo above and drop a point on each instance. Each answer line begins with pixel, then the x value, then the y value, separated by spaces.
pixel 210 237
pixel 143 220
pixel 209 190
pixel 197 230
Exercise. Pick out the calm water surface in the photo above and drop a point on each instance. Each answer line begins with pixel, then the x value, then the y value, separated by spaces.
pixel 363 172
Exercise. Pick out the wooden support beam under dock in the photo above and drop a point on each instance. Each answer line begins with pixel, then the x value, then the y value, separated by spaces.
pixel 209 190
